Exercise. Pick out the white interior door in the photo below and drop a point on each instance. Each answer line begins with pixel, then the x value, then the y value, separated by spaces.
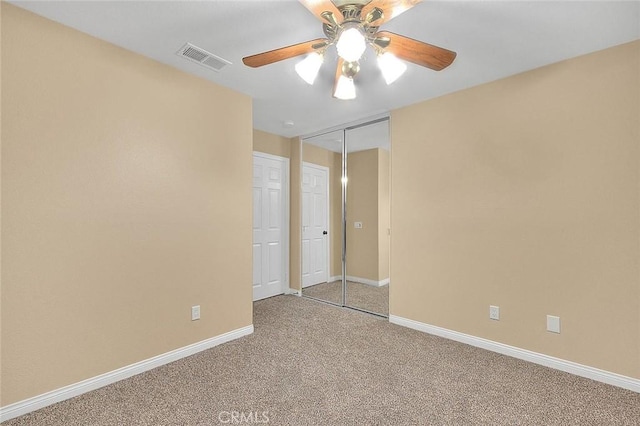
pixel 270 225
pixel 315 224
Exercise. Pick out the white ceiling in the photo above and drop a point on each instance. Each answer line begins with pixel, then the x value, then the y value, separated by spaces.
pixel 493 39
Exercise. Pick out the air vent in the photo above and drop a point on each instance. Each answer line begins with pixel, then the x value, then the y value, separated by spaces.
pixel 202 57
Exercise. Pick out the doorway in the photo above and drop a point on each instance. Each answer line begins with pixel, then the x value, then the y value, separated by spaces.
pixel 270 225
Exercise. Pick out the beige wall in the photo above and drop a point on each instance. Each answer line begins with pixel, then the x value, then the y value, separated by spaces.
pixel 127 199
pixel 368 202
pixel 316 155
pixel 362 206
pixel 272 144
pixel 523 193
pixel 384 219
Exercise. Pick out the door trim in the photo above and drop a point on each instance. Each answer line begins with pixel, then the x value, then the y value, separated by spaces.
pixel 286 289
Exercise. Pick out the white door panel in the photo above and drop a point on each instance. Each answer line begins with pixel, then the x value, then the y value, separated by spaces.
pixel 270 249
pixel 306 252
pixel 275 262
pixel 275 215
pixel 257 208
pixel 315 226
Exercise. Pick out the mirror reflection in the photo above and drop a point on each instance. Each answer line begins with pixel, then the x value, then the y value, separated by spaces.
pixel 322 217
pixel 367 218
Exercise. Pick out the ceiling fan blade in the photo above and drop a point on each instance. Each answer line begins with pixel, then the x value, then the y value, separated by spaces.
pixel 338 74
pixel 320 45
pixel 390 9
pixel 266 58
pixel 418 52
pixel 318 6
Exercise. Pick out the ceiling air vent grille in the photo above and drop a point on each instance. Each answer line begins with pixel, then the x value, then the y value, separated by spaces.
pixel 202 57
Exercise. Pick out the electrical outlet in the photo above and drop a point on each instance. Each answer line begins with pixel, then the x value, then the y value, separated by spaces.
pixel 195 312
pixel 494 313
pixel 553 324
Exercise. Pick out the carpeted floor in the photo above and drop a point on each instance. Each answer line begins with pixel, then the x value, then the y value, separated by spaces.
pixel 363 296
pixel 310 363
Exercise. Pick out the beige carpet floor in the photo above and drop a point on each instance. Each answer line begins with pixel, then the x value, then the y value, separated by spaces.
pixel 363 296
pixel 309 363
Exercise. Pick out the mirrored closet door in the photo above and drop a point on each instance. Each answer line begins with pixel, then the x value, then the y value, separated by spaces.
pixel 322 217
pixel 345 217
pixel 367 217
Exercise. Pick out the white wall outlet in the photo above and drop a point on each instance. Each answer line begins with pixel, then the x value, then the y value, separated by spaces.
pixel 195 312
pixel 494 312
pixel 357 225
pixel 553 324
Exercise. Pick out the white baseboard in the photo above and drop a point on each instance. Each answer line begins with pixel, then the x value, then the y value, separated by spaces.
pixel 368 281
pixel 537 358
pixel 358 280
pixel 31 404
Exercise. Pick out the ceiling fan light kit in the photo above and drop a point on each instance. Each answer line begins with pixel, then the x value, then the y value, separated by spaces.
pixel 309 67
pixel 392 67
pixel 351 44
pixel 345 88
pixel 351 35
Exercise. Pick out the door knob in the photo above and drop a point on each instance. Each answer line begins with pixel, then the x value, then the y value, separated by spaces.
pixel 324 232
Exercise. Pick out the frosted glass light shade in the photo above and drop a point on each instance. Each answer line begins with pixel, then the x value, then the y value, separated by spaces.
pixel 392 68
pixel 351 44
pixel 345 89
pixel 308 68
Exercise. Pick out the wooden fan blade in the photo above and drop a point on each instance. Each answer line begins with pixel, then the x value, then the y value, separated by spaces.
pixel 418 52
pixel 390 8
pixel 338 74
pixel 266 58
pixel 318 6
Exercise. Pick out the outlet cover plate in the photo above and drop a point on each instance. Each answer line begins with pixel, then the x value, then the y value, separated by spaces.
pixel 553 324
pixel 494 312
pixel 195 312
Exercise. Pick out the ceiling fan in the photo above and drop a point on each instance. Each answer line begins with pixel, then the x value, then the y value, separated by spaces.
pixel 351 25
